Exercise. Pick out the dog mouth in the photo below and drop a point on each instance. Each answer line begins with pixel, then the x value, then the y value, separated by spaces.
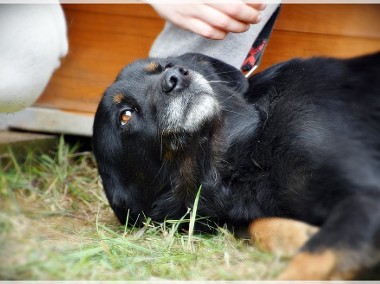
pixel 188 102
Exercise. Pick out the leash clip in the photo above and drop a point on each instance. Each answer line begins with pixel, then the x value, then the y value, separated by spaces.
pixel 250 72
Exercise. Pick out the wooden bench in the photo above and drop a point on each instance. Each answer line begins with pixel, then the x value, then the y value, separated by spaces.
pixel 103 38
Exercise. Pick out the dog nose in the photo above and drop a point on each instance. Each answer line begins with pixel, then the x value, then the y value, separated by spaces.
pixel 175 79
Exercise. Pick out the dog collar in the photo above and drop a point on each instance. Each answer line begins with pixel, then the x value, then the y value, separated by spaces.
pixel 255 54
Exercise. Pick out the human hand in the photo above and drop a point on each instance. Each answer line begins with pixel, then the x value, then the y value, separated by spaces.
pixel 210 20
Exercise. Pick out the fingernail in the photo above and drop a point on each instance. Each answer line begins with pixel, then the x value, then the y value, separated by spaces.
pixel 258 19
pixel 262 6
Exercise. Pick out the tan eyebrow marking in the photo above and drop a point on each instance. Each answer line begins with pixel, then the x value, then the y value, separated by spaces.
pixel 204 62
pixel 152 67
pixel 118 98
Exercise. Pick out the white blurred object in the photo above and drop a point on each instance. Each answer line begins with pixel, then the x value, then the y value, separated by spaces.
pixel 33 38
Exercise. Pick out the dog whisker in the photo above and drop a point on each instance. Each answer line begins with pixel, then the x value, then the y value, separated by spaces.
pixel 220 81
pixel 161 144
pixel 159 171
pixel 235 112
pixel 221 73
pixel 226 99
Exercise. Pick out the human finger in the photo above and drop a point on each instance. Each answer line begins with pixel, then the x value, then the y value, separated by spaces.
pixel 239 11
pixel 220 20
pixel 204 29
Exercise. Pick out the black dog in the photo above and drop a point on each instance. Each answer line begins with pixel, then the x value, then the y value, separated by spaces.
pixel 300 141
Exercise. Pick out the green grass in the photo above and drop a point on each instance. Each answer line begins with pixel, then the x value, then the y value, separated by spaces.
pixel 55 224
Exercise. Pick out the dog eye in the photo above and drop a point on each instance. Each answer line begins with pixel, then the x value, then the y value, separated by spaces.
pixel 169 65
pixel 125 116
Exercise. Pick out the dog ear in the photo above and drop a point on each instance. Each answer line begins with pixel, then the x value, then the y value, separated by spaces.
pixel 222 70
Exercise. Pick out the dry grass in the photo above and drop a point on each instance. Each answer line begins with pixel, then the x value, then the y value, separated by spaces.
pixel 55 224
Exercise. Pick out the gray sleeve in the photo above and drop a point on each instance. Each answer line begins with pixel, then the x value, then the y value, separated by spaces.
pixel 173 41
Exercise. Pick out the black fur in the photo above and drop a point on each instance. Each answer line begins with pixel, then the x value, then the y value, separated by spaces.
pixel 300 140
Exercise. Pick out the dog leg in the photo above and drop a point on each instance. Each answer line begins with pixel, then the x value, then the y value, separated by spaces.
pixel 347 245
pixel 282 236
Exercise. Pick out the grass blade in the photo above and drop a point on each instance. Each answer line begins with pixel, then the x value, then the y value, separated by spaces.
pixel 14 160
pixel 193 215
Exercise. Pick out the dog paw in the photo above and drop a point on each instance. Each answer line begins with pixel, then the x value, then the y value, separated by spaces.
pixel 311 266
pixel 279 235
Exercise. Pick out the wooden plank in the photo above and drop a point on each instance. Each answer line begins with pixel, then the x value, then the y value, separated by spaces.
pixel 52 120
pixel 134 10
pixel 349 19
pixel 284 45
pixel 103 24
pixel 361 20
pixel 10 137
pixel 357 20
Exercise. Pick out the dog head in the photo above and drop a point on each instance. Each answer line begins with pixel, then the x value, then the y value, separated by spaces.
pixel 158 131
